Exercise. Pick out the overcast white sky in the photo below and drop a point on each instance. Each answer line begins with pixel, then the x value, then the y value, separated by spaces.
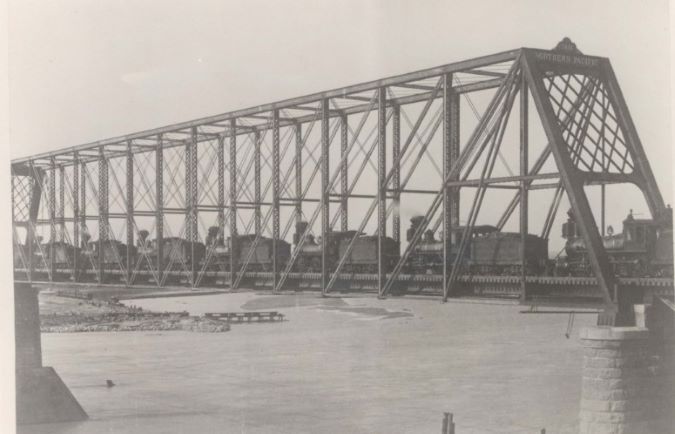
pixel 82 71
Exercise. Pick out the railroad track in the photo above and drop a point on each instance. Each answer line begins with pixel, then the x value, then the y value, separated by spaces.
pixel 543 290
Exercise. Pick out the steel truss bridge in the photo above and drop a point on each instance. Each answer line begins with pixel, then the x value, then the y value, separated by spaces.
pixel 345 159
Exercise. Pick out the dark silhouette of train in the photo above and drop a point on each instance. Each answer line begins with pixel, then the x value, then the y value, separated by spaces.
pixel 643 249
pixel 489 252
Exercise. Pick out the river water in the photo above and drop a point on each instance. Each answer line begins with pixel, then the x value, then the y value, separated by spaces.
pixel 335 365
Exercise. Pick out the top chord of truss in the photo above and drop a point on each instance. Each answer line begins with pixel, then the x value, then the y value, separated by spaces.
pixel 486 72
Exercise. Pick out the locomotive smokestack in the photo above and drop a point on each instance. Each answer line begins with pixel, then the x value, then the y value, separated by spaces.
pixel 142 236
pixel 300 228
pixel 212 235
pixel 415 222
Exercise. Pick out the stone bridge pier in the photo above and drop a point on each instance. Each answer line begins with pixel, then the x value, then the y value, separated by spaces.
pixel 628 376
pixel 41 395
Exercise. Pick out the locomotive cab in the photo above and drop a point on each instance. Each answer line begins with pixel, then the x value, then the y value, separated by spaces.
pixel 638 234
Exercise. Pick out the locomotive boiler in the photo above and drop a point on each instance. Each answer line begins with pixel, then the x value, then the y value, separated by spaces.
pixel 644 248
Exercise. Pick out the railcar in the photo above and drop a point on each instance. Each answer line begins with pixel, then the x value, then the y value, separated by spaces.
pixel 499 253
pixel 261 255
pixel 364 255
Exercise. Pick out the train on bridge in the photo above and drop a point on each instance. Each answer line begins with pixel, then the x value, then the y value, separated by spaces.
pixel 644 248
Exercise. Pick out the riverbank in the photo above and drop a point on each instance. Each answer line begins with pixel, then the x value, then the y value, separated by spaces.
pixel 70 312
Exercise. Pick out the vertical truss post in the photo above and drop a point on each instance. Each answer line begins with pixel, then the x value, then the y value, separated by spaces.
pixel 34 210
pixel 193 199
pixel 83 200
pixel 396 178
pixel 52 216
pixel 447 165
pixel 62 203
pixel 381 187
pixel 130 212
pixel 61 215
pixel 14 181
pixel 159 208
pixel 602 209
pixel 275 197
pixel 76 215
pixel 256 182
pixel 102 211
pixel 524 169
pixel 233 203
pixel 344 186
pixel 454 109
pixel 298 172
pixel 221 185
pixel 325 204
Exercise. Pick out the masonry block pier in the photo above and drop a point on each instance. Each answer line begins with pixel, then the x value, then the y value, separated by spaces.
pixel 627 383
pixel 41 395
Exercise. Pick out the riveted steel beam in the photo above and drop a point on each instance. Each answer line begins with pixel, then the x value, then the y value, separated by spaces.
pixel 159 210
pixel 130 213
pixel 448 131
pixel 234 248
pixel 381 186
pixel 298 171
pixel 325 201
pixel 77 218
pixel 62 204
pixel 257 199
pixel 52 217
pixel 396 168
pixel 344 171
pixel 276 218
pixel 221 185
pixel 103 223
pixel 524 170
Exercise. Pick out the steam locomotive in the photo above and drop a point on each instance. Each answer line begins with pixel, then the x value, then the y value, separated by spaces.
pixel 489 252
pixel 643 249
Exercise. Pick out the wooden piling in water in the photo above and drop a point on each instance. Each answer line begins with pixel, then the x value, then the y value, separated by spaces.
pixel 448 424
